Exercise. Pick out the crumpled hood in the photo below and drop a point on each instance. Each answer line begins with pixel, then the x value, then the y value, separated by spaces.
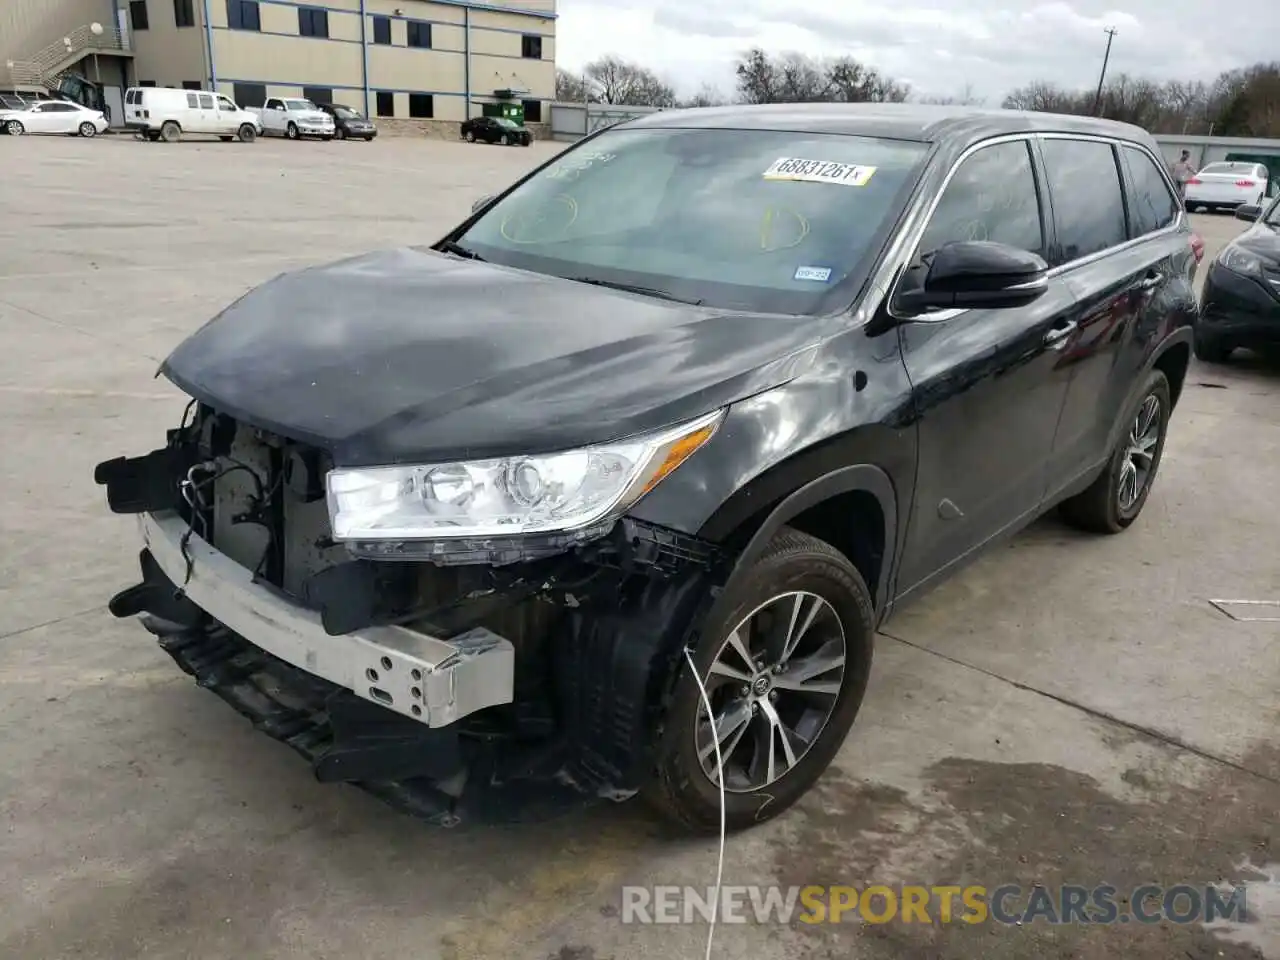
pixel 411 355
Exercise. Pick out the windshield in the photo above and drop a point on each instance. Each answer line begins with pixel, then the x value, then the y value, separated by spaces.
pixel 346 113
pixel 1246 168
pixel 507 122
pixel 767 221
pixel 299 105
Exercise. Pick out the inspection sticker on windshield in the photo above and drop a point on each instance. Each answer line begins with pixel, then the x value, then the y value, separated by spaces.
pixel 819 171
pixel 820 274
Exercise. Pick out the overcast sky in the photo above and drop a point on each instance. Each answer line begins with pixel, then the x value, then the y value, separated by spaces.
pixel 938 46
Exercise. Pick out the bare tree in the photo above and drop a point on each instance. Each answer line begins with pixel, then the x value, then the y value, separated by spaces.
pixel 964 98
pixel 797 78
pixel 707 96
pixel 758 80
pixel 614 80
pixel 571 87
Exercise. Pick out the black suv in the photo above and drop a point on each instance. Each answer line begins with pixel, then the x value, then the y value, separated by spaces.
pixel 693 407
pixel 496 130
pixel 1240 305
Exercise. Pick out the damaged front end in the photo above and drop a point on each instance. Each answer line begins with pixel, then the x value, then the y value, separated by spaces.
pixel 497 680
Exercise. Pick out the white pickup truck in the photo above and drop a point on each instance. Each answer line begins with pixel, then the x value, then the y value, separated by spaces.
pixel 294 118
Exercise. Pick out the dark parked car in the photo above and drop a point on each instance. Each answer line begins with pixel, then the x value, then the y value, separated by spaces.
pixel 720 388
pixel 496 130
pixel 1240 303
pixel 349 124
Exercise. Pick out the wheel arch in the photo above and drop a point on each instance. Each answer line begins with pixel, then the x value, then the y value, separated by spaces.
pixel 853 508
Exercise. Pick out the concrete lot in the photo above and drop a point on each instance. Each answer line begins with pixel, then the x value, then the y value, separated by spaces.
pixel 1068 710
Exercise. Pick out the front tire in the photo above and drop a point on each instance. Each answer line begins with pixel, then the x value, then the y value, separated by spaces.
pixel 805 618
pixel 1210 349
pixel 88 130
pixel 292 132
pixel 1114 500
pixel 469 136
pixel 15 128
pixel 247 133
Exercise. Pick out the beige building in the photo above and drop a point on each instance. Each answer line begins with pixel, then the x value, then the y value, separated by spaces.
pixel 425 60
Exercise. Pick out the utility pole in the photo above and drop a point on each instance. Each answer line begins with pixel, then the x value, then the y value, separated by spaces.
pixel 1097 99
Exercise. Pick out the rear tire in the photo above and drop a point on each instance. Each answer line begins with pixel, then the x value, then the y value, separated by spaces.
pixel 1110 505
pixel 247 133
pixel 88 130
pixel 794 567
pixel 170 132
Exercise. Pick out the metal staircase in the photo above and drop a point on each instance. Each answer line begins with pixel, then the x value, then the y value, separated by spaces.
pixel 46 69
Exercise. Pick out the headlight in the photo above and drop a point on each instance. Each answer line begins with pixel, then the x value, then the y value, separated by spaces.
pixel 513 496
pixel 1239 260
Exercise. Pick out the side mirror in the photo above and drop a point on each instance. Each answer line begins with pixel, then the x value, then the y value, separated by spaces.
pixel 974 274
pixel 1248 211
pixel 481 203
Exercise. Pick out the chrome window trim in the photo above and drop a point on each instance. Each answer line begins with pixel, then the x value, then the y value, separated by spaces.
pixel 884 283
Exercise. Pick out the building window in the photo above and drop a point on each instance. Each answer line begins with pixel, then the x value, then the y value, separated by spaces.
pixel 419 34
pixel 318 94
pixel 250 94
pixel 138 15
pixel 382 30
pixel 386 104
pixel 243 15
pixel 191 84
pixel 184 13
pixel 313 22
pixel 422 106
pixel 146 83
pixel 531 47
pixel 532 111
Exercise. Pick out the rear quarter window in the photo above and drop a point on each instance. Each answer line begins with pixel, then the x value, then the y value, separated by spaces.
pixel 1088 202
pixel 1152 206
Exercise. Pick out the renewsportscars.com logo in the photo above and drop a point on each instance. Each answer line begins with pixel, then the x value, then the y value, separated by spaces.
pixel 1008 904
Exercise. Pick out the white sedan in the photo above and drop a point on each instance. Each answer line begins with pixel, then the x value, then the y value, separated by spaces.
pixel 53 116
pixel 1226 185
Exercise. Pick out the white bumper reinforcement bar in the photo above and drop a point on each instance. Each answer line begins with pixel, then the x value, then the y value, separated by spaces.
pixel 429 680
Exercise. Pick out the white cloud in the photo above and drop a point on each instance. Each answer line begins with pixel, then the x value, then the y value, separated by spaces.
pixel 990 46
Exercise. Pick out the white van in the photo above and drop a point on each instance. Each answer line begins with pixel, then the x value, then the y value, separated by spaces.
pixel 163 113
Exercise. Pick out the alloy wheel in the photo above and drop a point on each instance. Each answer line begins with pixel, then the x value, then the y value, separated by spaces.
pixel 773 685
pixel 88 129
pixel 15 128
pixel 1139 455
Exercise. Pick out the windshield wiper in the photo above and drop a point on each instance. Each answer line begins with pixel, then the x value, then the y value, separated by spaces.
pixel 636 288
pixel 458 250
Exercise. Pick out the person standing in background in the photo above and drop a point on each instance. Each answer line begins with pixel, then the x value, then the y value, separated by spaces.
pixel 1182 172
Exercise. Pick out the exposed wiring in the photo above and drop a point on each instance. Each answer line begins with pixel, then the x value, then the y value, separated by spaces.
pixel 715 741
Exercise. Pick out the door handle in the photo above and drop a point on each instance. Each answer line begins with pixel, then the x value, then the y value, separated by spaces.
pixel 1058 334
pixel 1151 281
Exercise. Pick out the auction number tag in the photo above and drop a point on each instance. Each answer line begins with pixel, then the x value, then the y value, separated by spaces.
pixel 819 171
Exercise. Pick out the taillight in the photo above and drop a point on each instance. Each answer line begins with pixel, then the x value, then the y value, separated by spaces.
pixel 1245 183
pixel 1194 181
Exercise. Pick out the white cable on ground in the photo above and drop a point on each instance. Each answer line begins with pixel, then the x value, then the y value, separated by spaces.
pixel 715 740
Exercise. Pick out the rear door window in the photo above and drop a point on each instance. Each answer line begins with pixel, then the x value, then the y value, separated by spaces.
pixel 1152 205
pixel 1088 203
